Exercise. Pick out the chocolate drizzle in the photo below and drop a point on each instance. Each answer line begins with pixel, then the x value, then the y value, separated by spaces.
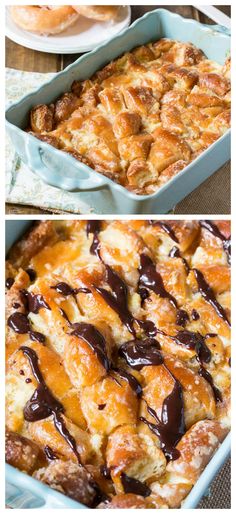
pixel 37 336
pixel 31 273
pixel 175 252
pixel 9 282
pixel 50 454
pixel 148 327
pixel 171 427
pixel 213 229
pixel 151 279
pixel 34 302
pixel 194 341
pixel 64 315
pixel 94 227
pixel 16 305
pixel 166 229
pixel 21 325
pixel 118 299
pixel 205 374
pixel 105 471
pixel 182 318
pixel 132 485
pixel 61 428
pixel 101 406
pixel 139 353
pixel 133 382
pixel 95 340
pixel 195 315
pixel 209 295
pixel 91 336
pixel 43 404
pixel 64 289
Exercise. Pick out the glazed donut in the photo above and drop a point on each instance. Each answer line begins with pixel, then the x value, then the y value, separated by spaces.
pixel 98 12
pixel 43 19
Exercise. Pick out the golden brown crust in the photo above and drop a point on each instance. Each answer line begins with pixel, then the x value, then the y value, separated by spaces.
pixel 28 246
pixel 128 501
pixel 70 479
pixel 98 12
pixel 41 118
pixel 129 452
pixel 143 117
pixel 14 297
pixel 23 453
pixel 196 449
pixel 97 295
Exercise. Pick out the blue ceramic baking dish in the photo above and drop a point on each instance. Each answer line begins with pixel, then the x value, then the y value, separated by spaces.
pixel 102 194
pixel 23 491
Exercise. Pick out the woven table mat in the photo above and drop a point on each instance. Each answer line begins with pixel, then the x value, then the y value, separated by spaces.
pixel 219 496
pixel 211 197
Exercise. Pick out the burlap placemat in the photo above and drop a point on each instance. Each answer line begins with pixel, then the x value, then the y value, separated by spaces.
pixel 219 496
pixel 211 197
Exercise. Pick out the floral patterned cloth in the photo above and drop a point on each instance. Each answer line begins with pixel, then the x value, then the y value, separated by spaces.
pixel 22 186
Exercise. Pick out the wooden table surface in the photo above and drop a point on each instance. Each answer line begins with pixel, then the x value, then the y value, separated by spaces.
pixel 25 59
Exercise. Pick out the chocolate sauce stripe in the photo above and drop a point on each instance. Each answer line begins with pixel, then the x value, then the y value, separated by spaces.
pixel 208 295
pixel 166 228
pixel 94 227
pixel 43 404
pixel 134 486
pixel 150 278
pixel 213 229
pixel 171 427
pixel 193 341
pixel 94 339
pixel 20 324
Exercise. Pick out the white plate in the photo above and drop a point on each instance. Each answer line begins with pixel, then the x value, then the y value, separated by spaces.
pixel 83 36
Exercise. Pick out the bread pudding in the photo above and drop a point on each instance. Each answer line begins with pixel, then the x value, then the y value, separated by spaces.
pixel 118 357
pixel 142 118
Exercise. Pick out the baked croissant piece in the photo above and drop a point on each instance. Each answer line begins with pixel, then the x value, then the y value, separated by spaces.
pixel 51 19
pixel 142 118
pixel 118 357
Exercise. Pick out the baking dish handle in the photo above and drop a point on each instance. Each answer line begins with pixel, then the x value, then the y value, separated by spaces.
pixel 64 177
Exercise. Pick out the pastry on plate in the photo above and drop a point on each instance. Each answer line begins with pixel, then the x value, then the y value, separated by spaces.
pixel 98 12
pixel 44 19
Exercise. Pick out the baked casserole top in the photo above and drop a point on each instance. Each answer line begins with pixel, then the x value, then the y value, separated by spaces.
pixel 143 117
pixel 118 357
